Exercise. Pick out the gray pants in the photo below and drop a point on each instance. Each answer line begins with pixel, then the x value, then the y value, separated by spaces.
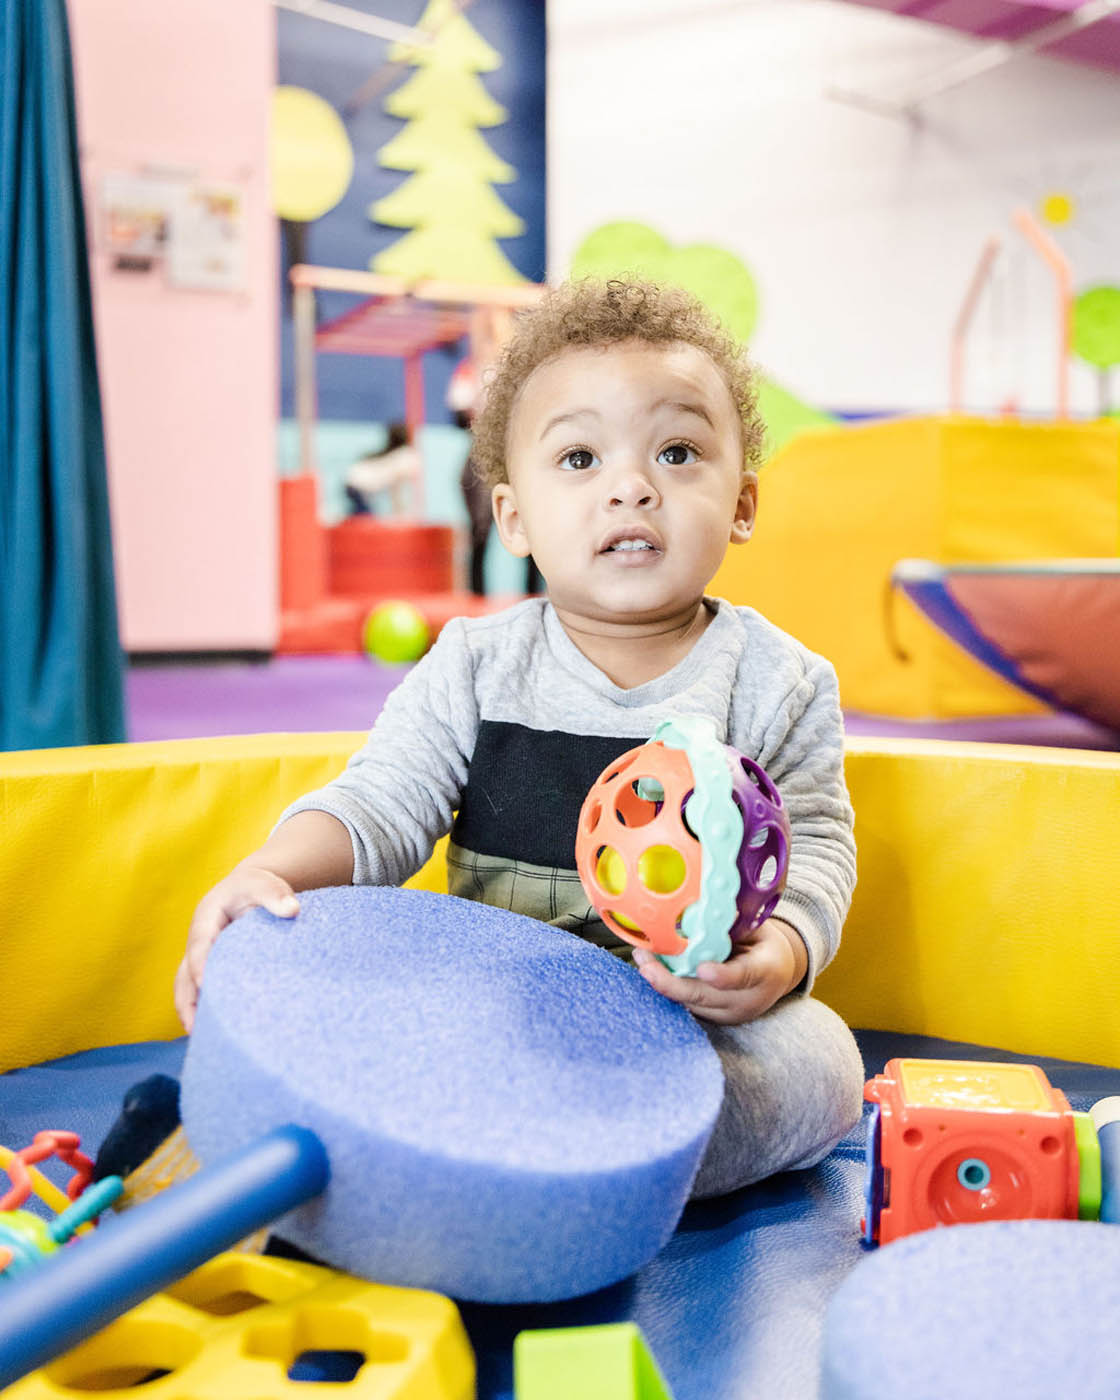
pixel 793 1088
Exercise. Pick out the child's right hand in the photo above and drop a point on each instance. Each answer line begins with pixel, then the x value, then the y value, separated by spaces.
pixel 246 887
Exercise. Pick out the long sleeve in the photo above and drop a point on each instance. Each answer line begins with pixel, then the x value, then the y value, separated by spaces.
pixel 398 793
pixel 801 746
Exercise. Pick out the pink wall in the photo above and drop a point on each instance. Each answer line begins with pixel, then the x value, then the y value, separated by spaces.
pixel 188 377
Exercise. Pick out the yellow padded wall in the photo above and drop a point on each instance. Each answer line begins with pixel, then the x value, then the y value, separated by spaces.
pixel 839 506
pixel 987 905
pixel 104 853
pixel 988 901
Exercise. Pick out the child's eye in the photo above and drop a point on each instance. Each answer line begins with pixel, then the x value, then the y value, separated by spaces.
pixel 579 459
pixel 677 454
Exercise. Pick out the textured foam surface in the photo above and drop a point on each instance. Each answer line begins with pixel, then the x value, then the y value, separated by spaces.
pixel 510 1113
pixel 1024 1308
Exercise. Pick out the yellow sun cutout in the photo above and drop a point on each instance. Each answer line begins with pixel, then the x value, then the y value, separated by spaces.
pixel 311 157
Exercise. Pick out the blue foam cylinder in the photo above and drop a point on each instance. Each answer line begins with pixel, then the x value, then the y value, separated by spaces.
pixel 81 1288
pixel 1019 1308
pixel 511 1114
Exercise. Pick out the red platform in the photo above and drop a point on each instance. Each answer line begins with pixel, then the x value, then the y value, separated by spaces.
pixel 367 556
pixel 331 578
pixel 335 624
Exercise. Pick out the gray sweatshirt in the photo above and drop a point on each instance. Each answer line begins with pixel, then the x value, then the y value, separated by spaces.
pixel 499 732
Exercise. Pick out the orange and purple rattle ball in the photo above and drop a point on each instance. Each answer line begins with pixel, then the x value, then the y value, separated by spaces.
pixel 683 845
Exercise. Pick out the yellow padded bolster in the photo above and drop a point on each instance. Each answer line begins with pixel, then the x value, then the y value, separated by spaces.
pixel 987 907
pixel 104 853
pixel 988 903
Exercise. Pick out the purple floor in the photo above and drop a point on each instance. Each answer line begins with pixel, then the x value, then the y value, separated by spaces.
pixel 346 692
pixel 283 695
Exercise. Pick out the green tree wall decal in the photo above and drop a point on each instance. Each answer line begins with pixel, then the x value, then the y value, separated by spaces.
pixel 1096 335
pixel 448 203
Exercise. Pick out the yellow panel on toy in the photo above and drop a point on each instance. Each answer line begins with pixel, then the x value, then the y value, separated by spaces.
pixel 848 502
pixel 259 1328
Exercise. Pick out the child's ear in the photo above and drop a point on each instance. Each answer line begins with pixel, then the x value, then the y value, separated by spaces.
pixel 745 509
pixel 507 517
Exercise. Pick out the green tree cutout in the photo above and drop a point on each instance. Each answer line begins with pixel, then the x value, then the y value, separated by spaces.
pixel 1096 336
pixel 713 275
pixel 449 202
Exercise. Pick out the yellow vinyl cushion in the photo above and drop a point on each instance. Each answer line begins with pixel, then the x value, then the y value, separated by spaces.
pixel 987 906
pixel 840 506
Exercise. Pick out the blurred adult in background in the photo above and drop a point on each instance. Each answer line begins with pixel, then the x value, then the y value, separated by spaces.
pixel 392 469
pixel 462 399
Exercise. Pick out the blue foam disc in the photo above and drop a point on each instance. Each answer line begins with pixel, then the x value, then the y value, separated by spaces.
pixel 1024 1308
pixel 511 1114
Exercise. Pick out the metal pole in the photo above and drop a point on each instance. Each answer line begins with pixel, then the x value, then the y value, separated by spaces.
pixel 303 315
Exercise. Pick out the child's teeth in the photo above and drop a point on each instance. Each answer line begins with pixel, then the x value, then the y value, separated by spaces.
pixel 632 544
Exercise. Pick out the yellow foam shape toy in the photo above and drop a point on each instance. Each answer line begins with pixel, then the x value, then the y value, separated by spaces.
pixel 234 1327
pixel 840 506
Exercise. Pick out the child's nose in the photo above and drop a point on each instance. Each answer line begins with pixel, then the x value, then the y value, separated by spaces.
pixel 631 487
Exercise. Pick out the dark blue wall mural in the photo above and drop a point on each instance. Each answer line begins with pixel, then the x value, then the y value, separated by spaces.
pixel 337 64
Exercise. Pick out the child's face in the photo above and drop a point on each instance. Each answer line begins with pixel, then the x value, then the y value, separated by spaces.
pixel 626 480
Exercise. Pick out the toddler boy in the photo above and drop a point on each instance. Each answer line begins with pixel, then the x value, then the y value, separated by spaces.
pixel 619 436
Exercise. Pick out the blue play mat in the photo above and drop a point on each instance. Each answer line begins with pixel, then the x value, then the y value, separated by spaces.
pixel 732 1307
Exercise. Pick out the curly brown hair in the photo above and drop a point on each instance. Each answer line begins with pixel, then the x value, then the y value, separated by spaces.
pixel 588 314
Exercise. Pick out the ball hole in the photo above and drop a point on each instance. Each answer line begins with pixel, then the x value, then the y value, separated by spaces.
pixel 1050 1145
pixel 662 869
pixel 610 870
pixel 758 837
pixel 912 1137
pixel 591 815
pixel 634 810
pixel 633 932
pixel 768 873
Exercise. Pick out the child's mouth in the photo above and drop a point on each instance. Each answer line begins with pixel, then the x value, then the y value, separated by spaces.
pixel 632 554
pixel 631 545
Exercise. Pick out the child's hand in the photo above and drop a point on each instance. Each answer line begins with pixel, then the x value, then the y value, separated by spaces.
pixel 766 965
pixel 245 888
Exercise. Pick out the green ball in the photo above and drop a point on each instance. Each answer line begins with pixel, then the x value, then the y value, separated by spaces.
pixel 396 632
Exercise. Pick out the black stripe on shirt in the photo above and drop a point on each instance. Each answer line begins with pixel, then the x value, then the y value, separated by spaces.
pixel 525 789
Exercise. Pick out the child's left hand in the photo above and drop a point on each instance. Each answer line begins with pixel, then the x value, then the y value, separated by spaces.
pixel 766 965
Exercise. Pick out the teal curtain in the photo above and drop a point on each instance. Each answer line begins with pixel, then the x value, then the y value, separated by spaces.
pixel 60 658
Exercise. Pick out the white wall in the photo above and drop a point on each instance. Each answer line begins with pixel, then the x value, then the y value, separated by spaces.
pixel 709 120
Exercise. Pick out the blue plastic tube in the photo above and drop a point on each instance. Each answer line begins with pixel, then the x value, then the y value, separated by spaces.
pixel 1109 1136
pixel 86 1285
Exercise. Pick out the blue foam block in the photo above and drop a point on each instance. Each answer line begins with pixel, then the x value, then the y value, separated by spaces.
pixel 1024 1308
pixel 511 1114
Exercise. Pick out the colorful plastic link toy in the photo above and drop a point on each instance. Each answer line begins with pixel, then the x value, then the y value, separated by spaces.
pixel 683 845
pixel 961 1141
pixel 25 1239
